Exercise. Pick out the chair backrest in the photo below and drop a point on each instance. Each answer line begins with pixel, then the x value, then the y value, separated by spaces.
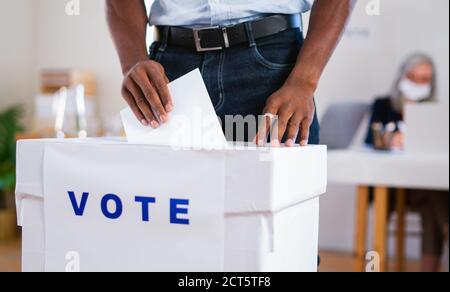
pixel 341 122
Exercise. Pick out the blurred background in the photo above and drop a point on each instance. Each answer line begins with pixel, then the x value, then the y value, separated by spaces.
pixel 43 49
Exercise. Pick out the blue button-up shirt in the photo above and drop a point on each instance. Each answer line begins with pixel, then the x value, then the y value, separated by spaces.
pixel 193 13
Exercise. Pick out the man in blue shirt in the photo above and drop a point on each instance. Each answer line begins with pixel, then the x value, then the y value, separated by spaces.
pixel 252 55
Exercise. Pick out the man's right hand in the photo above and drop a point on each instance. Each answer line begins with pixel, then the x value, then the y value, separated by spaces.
pixel 145 90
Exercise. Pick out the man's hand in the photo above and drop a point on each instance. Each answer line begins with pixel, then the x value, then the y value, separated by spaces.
pixel 145 83
pixel 145 90
pixel 295 109
pixel 294 103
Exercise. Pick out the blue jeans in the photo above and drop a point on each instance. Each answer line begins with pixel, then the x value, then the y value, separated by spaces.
pixel 239 79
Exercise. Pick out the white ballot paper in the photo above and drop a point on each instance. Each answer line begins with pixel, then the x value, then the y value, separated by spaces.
pixel 193 123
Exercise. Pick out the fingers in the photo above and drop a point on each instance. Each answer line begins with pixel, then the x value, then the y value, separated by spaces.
pixel 141 103
pixel 160 82
pixel 288 123
pixel 284 118
pixel 151 96
pixel 304 132
pixel 292 131
pixel 266 124
pixel 146 91
pixel 276 122
pixel 132 103
pixel 297 128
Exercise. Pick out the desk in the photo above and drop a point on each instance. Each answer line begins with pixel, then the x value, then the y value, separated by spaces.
pixel 383 170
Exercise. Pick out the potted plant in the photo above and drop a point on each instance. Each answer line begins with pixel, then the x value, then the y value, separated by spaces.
pixel 10 126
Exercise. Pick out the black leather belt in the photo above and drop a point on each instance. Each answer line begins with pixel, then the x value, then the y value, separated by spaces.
pixel 218 38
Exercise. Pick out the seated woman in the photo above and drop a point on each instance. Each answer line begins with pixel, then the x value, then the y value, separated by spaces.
pixel 415 84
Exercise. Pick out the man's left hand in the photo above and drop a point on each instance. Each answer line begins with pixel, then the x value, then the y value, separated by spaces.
pixel 294 107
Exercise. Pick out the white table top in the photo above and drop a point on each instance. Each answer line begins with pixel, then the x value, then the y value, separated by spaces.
pixel 363 166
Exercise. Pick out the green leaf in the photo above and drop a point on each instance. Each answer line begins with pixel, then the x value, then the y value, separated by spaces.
pixel 9 127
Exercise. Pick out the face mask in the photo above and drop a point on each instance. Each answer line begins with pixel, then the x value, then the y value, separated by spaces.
pixel 414 91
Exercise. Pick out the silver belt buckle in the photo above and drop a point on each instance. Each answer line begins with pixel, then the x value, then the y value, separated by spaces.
pixel 198 39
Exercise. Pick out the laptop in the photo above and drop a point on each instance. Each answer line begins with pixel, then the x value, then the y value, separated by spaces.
pixel 427 128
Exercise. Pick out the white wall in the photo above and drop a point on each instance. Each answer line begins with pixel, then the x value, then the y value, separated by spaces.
pixel 39 34
pixel 81 42
pixel 367 60
pixel 16 53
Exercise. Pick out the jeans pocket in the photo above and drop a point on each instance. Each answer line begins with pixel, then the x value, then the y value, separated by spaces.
pixel 273 59
pixel 280 51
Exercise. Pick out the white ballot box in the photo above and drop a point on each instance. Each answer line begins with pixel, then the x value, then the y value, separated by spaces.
pixel 107 205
